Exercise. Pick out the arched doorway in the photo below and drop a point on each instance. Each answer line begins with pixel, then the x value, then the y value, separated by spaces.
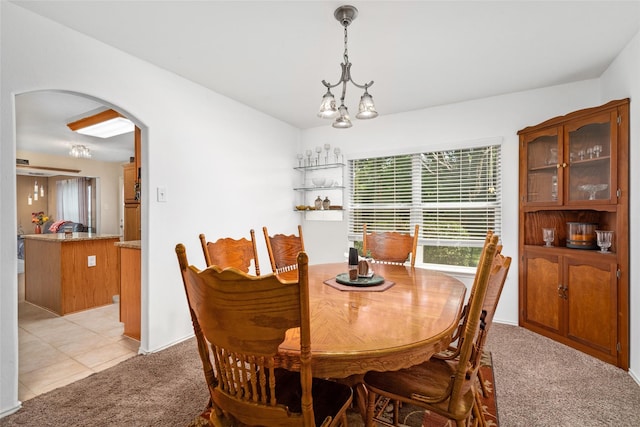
pixel 55 350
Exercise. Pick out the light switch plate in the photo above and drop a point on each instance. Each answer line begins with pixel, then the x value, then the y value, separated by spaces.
pixel 91 261
pixel 162 194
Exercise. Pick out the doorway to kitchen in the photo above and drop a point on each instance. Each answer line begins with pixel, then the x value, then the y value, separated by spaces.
pixel 57 350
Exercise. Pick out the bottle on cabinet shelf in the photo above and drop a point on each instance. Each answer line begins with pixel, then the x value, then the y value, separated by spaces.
pixel 318 203
pixel 326 203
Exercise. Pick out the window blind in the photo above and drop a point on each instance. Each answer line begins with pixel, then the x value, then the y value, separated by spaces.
pixel 455 195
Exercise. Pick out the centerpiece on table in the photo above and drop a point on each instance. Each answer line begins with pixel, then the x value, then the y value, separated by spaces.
pixel 39 218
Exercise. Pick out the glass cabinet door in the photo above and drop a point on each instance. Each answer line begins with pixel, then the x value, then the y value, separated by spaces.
pixel 591 178
pixel 543 160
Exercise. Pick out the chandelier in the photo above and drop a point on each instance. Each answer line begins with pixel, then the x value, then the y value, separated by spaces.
pixel 80 151
pixel 366 110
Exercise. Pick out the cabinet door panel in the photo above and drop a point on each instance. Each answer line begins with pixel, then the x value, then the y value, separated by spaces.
pixel 129 178
pixel 542 301
pixel 132 221
pixel 592 150
pixel 591 313
pixel 542 159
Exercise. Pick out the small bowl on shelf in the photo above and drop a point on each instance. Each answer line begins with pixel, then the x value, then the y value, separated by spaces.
pixel 319 181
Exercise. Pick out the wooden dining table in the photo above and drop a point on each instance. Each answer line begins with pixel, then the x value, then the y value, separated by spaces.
pixel 358 330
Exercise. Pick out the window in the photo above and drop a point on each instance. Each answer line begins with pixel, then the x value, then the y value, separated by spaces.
pixel 455 196
pixel 74 200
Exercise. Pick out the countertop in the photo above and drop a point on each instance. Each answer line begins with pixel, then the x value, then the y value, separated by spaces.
pixel 131 244
pixel 74 237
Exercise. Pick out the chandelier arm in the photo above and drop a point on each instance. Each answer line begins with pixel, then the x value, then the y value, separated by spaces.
pixel 364 86
pixel 329 85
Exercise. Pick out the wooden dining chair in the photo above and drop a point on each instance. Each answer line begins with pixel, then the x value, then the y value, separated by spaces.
pixel 228 252
pixel 243 320
pixel 453 350
pixel 283 250
pixel 390 247
pixel 203 348
pixel 445 386
pixel 501 264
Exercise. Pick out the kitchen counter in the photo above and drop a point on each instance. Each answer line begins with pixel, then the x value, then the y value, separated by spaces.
pixel 73 237
pixel 66 274
pixel 131 244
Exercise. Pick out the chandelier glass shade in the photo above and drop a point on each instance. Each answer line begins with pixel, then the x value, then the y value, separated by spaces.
pixel 80 151
pixel 328 110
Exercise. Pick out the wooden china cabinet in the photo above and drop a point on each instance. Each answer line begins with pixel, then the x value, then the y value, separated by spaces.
pixel 575 169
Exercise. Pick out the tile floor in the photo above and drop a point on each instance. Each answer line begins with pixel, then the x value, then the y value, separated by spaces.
pixel 57 350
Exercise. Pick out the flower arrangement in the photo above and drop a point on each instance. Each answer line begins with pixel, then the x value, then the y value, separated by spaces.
pixel 39 218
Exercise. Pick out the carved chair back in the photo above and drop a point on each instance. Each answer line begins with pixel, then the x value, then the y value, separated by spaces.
pixel 228 252
pixel 390 247
pixel 283 249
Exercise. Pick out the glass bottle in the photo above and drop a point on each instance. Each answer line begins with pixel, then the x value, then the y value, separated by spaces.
pixel 318 203
pixel 326 203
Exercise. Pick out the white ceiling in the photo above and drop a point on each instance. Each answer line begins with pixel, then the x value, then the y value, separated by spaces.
pixel 272 55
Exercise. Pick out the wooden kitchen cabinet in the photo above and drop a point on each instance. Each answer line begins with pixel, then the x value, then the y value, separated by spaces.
pixel 131 202
pixel 130 178
pixel 132 226
pixel 574 168
pixel 66 274
pixel 130 298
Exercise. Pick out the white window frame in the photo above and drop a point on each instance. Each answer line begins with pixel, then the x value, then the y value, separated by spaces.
pixel 416 204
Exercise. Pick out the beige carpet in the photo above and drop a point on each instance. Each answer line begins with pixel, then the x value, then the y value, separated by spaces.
pixel 539 383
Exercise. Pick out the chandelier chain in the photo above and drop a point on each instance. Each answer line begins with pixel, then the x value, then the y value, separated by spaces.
pixel 346 52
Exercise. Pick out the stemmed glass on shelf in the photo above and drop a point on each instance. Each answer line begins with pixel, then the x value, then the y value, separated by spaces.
pixel 327 147
pixel 336 151
pixel 308 153
pixel 548 235
pixel 604 239
pixel 318 151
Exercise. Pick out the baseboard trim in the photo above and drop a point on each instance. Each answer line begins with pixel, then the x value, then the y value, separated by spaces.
pixel 11 410
pixel 635 377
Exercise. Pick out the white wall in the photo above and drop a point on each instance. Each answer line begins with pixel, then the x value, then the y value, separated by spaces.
pixel 620 81
pixel 225 167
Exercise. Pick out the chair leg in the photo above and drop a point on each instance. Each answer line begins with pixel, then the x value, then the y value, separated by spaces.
pixel 477 411
pixel 371 406
pixel 215 420
pixel 396 412
pixel 361 399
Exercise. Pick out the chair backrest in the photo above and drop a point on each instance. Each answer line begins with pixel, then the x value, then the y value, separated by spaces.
pixel 456 339
pixel 203 348
pixel 237 315
pixel 390 247
pixel 228 252
pixel 499 270
pixel 283 250
pixel 470 352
